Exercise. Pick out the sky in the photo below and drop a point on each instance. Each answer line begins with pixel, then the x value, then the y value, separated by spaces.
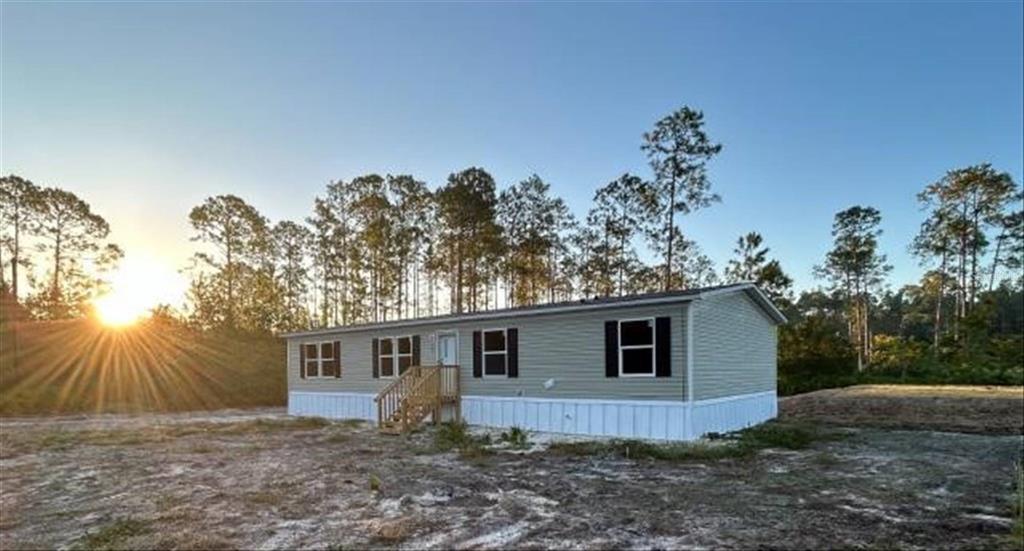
pixel 145 109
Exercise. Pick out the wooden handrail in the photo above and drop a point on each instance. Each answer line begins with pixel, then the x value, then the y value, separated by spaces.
pixel 416 393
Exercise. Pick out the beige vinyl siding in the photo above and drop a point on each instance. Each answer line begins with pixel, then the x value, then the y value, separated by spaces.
pixel 565 347
pixel 734 347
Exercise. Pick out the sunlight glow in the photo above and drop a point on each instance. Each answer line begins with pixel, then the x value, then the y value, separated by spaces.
pixel 138 285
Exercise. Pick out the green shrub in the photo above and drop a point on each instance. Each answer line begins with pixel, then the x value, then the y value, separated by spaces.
pixel 516 437
pixel 456 436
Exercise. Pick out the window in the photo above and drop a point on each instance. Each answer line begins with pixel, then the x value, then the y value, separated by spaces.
pixel 387 357
pixel 636 348
pixel 495 352
pixel 320 359
pixel 395 355
pixel 312 364
pixel 404 347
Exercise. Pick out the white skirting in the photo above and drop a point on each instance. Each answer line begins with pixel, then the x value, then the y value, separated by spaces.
pixel 660 420
pixel 333 405
pixel 733 412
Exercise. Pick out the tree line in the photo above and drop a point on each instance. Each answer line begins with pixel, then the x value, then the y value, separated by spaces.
pixel 384 247
pixel 963 322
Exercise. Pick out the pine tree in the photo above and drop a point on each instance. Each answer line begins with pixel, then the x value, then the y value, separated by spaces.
pixel 19 207
pixel 73 236
pixel 856 268
pixel 678 150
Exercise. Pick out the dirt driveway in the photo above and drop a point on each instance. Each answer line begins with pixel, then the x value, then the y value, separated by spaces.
pixel 260 480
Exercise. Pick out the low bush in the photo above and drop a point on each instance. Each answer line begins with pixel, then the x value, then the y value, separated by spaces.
pixel 456 436
pixel 516 437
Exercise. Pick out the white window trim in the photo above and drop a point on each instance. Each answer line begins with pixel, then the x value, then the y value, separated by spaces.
pixel 484 353
pixel 320 360
pixel 437 344
pixel 381 355
pixel 653 346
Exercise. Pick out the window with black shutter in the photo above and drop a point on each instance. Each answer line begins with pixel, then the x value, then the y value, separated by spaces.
pixel 636 347
pixel 495 352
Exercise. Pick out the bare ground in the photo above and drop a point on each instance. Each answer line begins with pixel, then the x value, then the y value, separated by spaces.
pixel 259 480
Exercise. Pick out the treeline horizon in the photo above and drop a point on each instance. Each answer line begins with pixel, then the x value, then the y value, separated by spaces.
pixel 385 247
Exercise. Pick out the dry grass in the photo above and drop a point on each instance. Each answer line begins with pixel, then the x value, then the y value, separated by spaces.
pixel 115 535
pixel 970 409
pixel 80 366
pixel 65 438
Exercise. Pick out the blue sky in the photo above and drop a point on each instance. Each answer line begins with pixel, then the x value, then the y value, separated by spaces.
pixel 145 109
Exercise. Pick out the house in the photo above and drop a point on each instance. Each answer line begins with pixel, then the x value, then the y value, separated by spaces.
pixel 673 366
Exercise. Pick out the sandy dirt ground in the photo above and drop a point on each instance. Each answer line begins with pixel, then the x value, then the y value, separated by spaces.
pixel 259 480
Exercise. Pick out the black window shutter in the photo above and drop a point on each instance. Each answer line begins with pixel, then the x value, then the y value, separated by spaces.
pixel 478 353
pixel 663 351
pixel 611 349
pixel 337 359
pixel 302 360
pixel 376 358
pixel 512 344
pixel 415 350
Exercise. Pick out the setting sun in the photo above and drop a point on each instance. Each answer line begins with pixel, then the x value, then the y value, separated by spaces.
pixel 135 288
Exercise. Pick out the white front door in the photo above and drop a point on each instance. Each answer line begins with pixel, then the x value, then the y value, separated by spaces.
pixel 448 348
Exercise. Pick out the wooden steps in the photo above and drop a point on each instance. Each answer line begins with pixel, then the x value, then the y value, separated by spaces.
pixel 418 393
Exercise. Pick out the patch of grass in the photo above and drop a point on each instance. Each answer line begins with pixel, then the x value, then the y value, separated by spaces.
pixel 273 425
pixel 450 436
pixel 516 437
pixel 57 440
pixel 825 459
pixel 639 449
pixel 188 539
pixel 738 445
pixel 113 535
pixel 374 483
pixel 338 438
pixel 203 448
pixel 788 436
pixel 352 423
pixel 60 440
pixel 264 498
pixel 456 436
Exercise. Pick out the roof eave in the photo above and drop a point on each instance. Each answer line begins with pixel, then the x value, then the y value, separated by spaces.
pixel 492 315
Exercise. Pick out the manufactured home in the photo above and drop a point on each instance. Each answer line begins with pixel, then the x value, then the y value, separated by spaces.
pixel 672 366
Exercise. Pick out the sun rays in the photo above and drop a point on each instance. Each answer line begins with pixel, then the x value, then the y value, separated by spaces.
pixel 81 365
